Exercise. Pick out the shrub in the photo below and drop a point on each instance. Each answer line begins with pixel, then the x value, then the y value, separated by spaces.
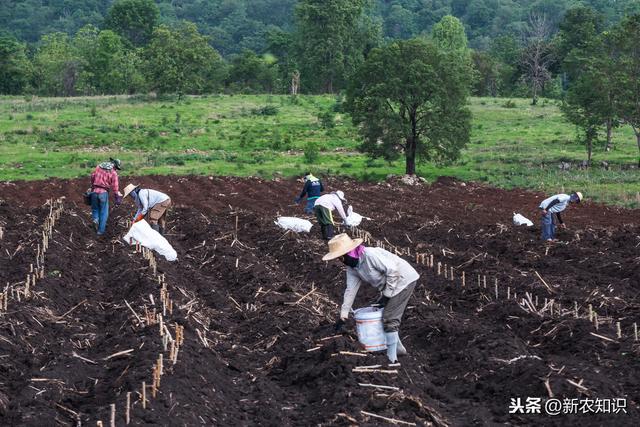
pixel 267 110
pixel 311 152
pixel 509 104
pixel 327 119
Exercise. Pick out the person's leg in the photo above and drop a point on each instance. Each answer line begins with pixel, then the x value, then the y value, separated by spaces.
pixel 95 211
pixel 552 226
pixel 104 212
pixel 547 226
pixel 323 215
pixel 391 318
pixel 308 209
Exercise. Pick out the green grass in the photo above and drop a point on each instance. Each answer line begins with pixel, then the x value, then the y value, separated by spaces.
pixel 511 145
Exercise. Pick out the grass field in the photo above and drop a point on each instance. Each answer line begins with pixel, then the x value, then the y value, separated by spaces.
pixel 515 145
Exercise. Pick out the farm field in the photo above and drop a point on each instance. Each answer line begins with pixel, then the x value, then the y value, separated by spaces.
pixel 513 144
pixel 258 305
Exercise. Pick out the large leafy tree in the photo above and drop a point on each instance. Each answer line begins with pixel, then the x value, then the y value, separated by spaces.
pixel 329 51
pixel 56 66
pixel 15 67
pixel 180 60
pixel 449 35
pixel 626 73
pixel 409 98
pixel 250 73
pixel 134 20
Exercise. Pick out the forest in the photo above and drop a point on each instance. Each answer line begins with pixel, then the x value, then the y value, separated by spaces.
pixel 59 47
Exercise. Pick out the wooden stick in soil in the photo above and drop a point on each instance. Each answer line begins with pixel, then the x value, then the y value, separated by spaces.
pixel 99 424
pixel 127 411
pixel 446 269
pixel 391 420
pixel 144 395
pixel 618 330
pixel 155 382
pixel 496 287
pixel 590 313
pixel 112 419
pixel 463 280
pixel 575 309
pixel 635 327
pixel 484 281
pixel 439 267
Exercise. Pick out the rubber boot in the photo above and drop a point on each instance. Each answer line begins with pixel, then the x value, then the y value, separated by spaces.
pixel 392 346
pixel 401 350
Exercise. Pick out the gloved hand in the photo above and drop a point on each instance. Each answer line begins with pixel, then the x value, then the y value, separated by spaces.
pixel 118 199
pixel 297 200
pixel 140 217
pixel 381 301
pixel 339 326
pixel 563 226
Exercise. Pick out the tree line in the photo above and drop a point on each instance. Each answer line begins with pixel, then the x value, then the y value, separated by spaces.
pixel 72 47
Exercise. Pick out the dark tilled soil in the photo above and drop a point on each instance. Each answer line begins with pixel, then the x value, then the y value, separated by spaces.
pixel 249 329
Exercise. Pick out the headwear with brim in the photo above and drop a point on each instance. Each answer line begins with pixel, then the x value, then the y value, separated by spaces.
pixel 128 189
pixel 116 163
pixel 340 195
pixel 340 245
pixel 579 194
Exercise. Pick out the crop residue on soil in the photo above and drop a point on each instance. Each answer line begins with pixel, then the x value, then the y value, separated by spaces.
pixel 257 306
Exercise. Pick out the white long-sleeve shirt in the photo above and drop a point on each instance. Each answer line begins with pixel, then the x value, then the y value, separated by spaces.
pixel 563 201
pixel 145 199
pixel 381 269
pixel 331 201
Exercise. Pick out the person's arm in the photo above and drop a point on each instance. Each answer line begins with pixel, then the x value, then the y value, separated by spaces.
pixel 552 204
pixel 353 284
pixel 305 190
pixel 560 221
pixel 115 184
pixel 339 208
pixel 143 202
pixel 321 186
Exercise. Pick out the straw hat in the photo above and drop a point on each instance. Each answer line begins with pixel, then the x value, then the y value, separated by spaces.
pixel 340 245
pixel 128 189
pixel 340 195
pixel 579 194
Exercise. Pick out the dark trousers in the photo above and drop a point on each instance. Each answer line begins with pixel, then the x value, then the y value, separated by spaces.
pixel 323 215
pixel 394 309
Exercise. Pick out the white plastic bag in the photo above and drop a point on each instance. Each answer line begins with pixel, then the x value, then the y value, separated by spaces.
pixel 292 223
pixel 521 220
pixel 353 219
pixel 142 233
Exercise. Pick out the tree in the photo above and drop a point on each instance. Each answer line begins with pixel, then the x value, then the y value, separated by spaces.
pixel 410 97
pixel 487 74
pixel 134 20
pixel 626 74
pixel 536 56
pixel 15 67
pixel 579 28
pixel 56 66
pixel 449 35
pixel 252 73
pixel 328 53
pixel 180 61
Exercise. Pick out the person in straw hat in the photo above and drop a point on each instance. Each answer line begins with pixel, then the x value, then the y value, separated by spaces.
pixel 390 274
pixel 555 205
pixel 150 203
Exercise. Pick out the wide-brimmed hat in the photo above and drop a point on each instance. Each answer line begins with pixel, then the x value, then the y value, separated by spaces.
pixel 128 189
pixel 117 163
pixel 579 195
pixel 340 245
pixel 340 195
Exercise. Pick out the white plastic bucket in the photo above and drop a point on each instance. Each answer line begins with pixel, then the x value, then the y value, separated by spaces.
pixel 369 328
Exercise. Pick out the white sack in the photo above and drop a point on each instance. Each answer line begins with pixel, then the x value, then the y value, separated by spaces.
pixel 353 219
pixel 521 220
pixel 294 224
pixel 142 233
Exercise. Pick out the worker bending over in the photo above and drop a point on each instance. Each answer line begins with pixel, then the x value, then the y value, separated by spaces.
pixel 151 204
pixel 390 274
pixel 313 189
pixel 324 207
pixel 555 205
